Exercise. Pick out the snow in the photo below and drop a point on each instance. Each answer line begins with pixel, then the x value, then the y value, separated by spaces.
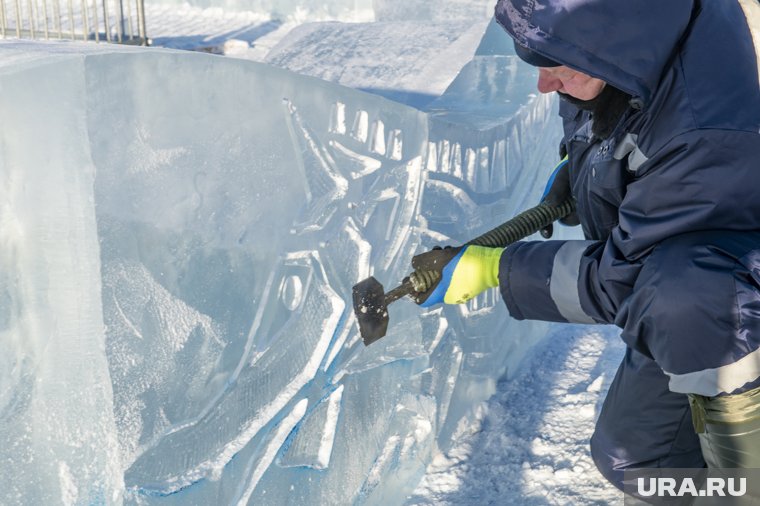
pixel 195 233
pixel 529 442
pixel 190 27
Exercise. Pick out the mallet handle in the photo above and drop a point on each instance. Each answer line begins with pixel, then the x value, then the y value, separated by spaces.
pixel 405 288
pixel 524 224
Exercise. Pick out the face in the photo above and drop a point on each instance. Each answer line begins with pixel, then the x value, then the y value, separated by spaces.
pixel 569 81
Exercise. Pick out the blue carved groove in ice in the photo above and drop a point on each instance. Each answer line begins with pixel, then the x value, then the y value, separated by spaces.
pixel 185 257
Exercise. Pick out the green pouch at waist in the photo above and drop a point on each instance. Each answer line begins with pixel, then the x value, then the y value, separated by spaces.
pixel 728 428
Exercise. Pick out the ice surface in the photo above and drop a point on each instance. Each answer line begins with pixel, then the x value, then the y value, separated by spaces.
pixel 385 57
pixel 313 443
pixel 178 270
pixel 57 428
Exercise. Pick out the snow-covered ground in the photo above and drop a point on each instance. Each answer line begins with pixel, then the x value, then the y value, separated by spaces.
pixel 528 445
pixel 193 302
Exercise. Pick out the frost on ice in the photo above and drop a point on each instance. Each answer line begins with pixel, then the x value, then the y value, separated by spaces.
pixel 178 274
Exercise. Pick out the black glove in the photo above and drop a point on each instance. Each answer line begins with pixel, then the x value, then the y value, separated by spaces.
pixel 556 192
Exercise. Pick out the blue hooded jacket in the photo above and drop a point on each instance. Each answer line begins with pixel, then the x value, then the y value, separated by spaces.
pixel 670 202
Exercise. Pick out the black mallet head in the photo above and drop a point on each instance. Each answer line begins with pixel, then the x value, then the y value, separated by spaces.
pixel 371 304
pixel 370 309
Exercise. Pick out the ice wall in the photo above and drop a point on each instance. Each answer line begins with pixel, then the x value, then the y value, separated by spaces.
pixel 57 429
pixel 216 213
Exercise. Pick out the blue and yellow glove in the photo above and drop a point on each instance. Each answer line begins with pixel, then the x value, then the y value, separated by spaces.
pixel 556 192
pixel 466 271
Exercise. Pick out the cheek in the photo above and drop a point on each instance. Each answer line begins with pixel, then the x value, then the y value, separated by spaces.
pixel 584 89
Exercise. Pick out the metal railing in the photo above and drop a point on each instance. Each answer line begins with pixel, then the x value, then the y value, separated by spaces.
pixel 118 21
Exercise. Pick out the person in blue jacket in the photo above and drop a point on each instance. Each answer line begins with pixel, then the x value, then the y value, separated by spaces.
pixel 661 108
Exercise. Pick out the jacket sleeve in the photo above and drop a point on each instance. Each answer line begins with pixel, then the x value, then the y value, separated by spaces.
pixel 701 180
